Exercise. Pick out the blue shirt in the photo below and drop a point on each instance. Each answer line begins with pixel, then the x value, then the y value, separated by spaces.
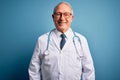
pixel 73 62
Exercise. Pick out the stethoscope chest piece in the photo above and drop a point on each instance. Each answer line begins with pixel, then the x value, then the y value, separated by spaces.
pixel 46 53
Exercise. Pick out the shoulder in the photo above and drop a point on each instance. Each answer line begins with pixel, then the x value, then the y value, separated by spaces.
pixel 43 36
pixel 81 36
pixel 83 39
pixel 42 40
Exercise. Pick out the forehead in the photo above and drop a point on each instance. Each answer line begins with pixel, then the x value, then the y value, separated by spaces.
pixel 63 8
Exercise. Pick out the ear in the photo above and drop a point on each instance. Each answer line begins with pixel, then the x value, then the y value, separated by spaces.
pixel 52 16
pixel 72 17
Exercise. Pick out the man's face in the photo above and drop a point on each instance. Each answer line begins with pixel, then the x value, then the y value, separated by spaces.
pixel 62 17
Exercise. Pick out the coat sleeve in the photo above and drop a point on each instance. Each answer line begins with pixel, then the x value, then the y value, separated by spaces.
pixel 34 67
pixel 88 72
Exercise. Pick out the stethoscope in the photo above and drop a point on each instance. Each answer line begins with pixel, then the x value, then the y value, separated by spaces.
pixel 79 52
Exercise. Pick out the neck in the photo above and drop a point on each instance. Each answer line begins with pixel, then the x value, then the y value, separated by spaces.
pixel 63 31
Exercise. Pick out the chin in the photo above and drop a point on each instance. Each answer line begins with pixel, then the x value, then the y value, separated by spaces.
pixel 62 30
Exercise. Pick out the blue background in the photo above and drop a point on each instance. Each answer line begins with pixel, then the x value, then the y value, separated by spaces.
pixel 22 21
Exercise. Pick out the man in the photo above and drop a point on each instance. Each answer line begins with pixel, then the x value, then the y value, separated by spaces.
pixel 62 54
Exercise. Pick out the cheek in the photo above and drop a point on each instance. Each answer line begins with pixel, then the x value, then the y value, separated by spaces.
pixel 69 22
pixel 55 20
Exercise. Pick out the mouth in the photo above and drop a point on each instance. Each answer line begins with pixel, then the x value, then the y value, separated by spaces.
pixel 60 23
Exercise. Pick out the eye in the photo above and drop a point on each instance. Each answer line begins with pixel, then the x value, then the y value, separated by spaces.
pixel 67 14
pixel 57 14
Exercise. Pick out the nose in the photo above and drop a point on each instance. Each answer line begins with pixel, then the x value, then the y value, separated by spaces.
pixel 62 17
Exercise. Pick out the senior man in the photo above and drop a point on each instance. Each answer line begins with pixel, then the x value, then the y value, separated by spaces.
pixel 62 54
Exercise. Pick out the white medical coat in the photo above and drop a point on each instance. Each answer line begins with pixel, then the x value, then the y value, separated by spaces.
pixel 73 62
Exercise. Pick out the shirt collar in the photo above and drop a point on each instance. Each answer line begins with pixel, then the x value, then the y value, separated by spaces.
pixel 67 33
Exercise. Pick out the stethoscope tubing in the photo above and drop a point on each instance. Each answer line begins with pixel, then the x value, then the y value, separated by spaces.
pixel 75 36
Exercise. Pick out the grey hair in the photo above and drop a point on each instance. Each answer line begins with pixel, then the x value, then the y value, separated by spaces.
pixel 68 4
